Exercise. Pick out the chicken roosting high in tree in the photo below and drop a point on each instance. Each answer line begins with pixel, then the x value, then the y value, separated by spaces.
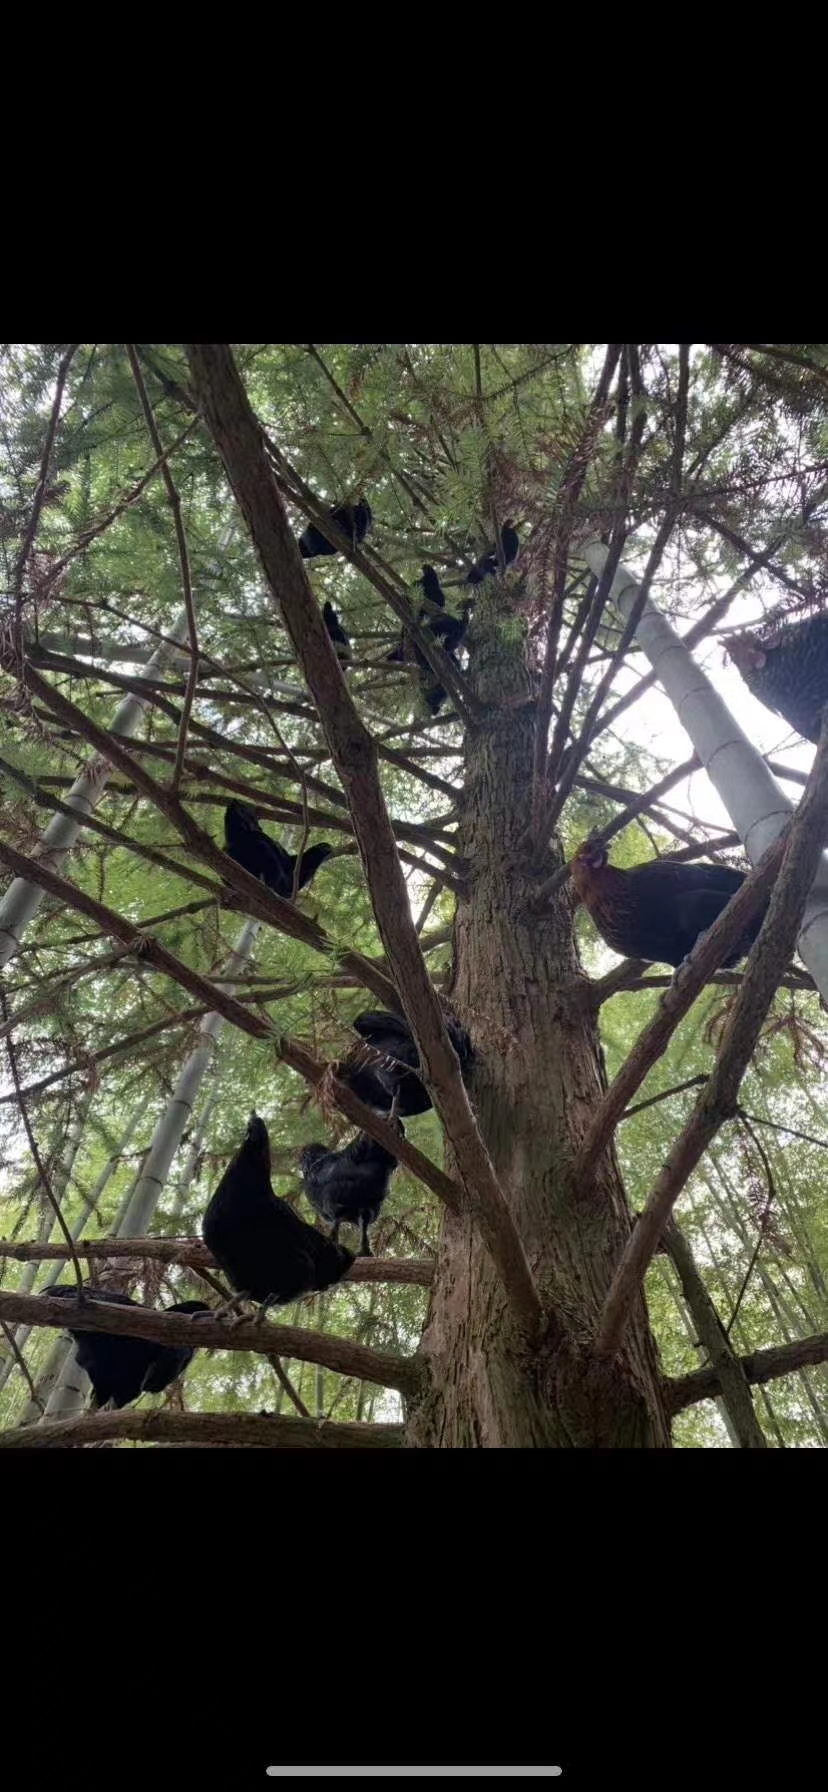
pixel 348 1185
pixel 386 1073
pixel 246 842
pixel 656 911
pixel 786 667
pixel 353 519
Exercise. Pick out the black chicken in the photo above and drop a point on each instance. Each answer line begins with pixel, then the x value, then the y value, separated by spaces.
pixel 433 590
pixel 433 693
pixel 247 843
pixel 353 519
pixel 121 1368
pixel 394 1072
pixel 450 631
pixel 341 641
pixel 268 1253
pixel 787 670
pixel 447 629
pixel 658 910
pixel 486 566
pixel 348 1185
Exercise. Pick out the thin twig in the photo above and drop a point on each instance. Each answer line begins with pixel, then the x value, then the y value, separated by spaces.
pixel 131 497
pixel 571 485
pixel 33 1147
pixel 21 1364
pixel 285 1382
pixel 763 1218
pixel 184 559
pixel 27 543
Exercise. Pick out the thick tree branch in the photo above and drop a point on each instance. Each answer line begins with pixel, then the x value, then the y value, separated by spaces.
pixel 144 946
pixel 759 1367
pixel 193 1254
pixel 729 1369
pixel 240 442
pixel 201 1333
pixel 208 1430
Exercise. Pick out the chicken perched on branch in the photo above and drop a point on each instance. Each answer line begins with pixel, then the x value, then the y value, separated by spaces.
pixel 787 670
pixel 391 1075
pixel 247 843
pixel 121 1368
pixel 266 1251
pixel 348 1185
pixel 658 910
pixel 353 519
pixel 447 629
pixel 433 590
pixel 486 566
pixel 341 641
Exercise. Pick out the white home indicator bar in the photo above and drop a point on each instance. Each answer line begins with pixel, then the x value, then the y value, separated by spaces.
pixel 501 1773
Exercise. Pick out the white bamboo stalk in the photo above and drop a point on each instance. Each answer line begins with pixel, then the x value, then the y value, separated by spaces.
pixel 750 793
pixel 70 1390
pixel 23 898
pixel 193 1156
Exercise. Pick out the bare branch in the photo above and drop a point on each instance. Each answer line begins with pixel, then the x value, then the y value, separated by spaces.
pixel 193 1254
pixel 571 486
pixel 713 1335
pixel 31 528
pixel 759 1367
pixel 184 559
pixel 45 1179
pixel 205 1430
pixel 201 1333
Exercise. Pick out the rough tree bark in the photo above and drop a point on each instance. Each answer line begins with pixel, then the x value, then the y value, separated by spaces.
pixel 535 1086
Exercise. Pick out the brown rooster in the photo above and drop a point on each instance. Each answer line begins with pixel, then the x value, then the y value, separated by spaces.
pixel 787 670
pixel 656 911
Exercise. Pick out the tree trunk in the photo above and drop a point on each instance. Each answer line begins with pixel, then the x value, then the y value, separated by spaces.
pixel 536 1082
